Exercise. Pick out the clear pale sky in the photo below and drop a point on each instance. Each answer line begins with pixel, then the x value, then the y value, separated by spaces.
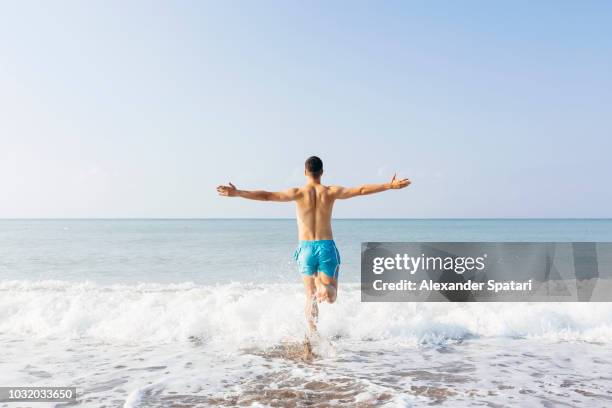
pixel 139 109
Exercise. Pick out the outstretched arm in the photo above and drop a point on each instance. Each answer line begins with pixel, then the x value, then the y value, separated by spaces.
pixel 232 191
pixel 346 192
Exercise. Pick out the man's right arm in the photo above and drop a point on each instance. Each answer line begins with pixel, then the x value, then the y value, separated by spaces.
pixel 260 195
pixel 342 193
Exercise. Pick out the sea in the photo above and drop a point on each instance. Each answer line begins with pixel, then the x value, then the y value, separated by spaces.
pixel 210 313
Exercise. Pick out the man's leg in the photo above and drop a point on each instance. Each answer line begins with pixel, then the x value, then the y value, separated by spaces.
pixel 327 288
pixel 311 310
pixel 329 266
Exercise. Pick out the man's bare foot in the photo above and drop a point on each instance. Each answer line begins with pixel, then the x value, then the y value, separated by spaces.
pixel 322 291
pixel 325 293
pixel 322 295
pixel 331 293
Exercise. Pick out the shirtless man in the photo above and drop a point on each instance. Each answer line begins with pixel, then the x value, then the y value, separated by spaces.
pixel 317 257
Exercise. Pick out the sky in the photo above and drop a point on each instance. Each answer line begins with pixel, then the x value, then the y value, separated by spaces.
pixel 140 109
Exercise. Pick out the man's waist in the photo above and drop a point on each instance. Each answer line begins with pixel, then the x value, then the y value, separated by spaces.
pixel 316 241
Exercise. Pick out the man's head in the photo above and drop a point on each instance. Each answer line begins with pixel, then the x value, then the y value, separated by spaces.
pixel 313 167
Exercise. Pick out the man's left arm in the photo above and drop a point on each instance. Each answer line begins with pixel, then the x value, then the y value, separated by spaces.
pixel 343 193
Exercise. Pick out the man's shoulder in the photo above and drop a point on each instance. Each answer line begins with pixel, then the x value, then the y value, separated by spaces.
pixel 333 191
pixel 334 188
pixel 295 191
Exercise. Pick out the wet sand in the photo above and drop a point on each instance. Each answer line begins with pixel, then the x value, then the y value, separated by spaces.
pixel 464 374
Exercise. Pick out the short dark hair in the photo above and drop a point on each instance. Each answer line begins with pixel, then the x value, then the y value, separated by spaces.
pixel 314 166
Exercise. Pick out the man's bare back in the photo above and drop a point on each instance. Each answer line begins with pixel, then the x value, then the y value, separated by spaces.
pixel 314 204
pixel 317 255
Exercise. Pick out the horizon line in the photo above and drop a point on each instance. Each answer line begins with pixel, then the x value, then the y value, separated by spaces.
pixel 293 218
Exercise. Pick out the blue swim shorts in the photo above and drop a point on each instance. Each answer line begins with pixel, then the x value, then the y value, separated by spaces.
pixel 318 256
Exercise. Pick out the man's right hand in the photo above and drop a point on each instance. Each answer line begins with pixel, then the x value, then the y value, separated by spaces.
pixel 399 183
pixel 228 191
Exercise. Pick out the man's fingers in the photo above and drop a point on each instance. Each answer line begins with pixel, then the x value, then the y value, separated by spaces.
pixel 393 178
pixel 231 185
pixel 402 183
pixel 223 190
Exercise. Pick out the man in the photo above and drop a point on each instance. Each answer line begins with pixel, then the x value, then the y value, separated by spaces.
pixel 317 256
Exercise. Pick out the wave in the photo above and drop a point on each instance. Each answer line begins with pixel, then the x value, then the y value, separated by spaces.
pixel 241 315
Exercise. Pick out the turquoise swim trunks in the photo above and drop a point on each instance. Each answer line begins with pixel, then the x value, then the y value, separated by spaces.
pixel 318 256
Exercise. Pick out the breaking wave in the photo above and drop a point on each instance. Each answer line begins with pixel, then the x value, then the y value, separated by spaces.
pixel 242 315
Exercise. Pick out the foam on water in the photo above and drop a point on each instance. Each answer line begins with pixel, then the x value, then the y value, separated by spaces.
pixel 217 343
pixel 187 344
pixel 243 315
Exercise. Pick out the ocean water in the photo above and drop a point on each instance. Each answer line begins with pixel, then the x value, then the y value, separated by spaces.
pixel 190 313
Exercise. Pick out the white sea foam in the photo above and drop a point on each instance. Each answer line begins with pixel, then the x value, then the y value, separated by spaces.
pixel 150 345
pixel 241 315
pixel 207 344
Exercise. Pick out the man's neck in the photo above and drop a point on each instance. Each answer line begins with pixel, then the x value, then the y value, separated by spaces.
pixel 312 180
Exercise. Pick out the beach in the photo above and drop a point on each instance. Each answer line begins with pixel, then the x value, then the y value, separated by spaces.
pixel 198 313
